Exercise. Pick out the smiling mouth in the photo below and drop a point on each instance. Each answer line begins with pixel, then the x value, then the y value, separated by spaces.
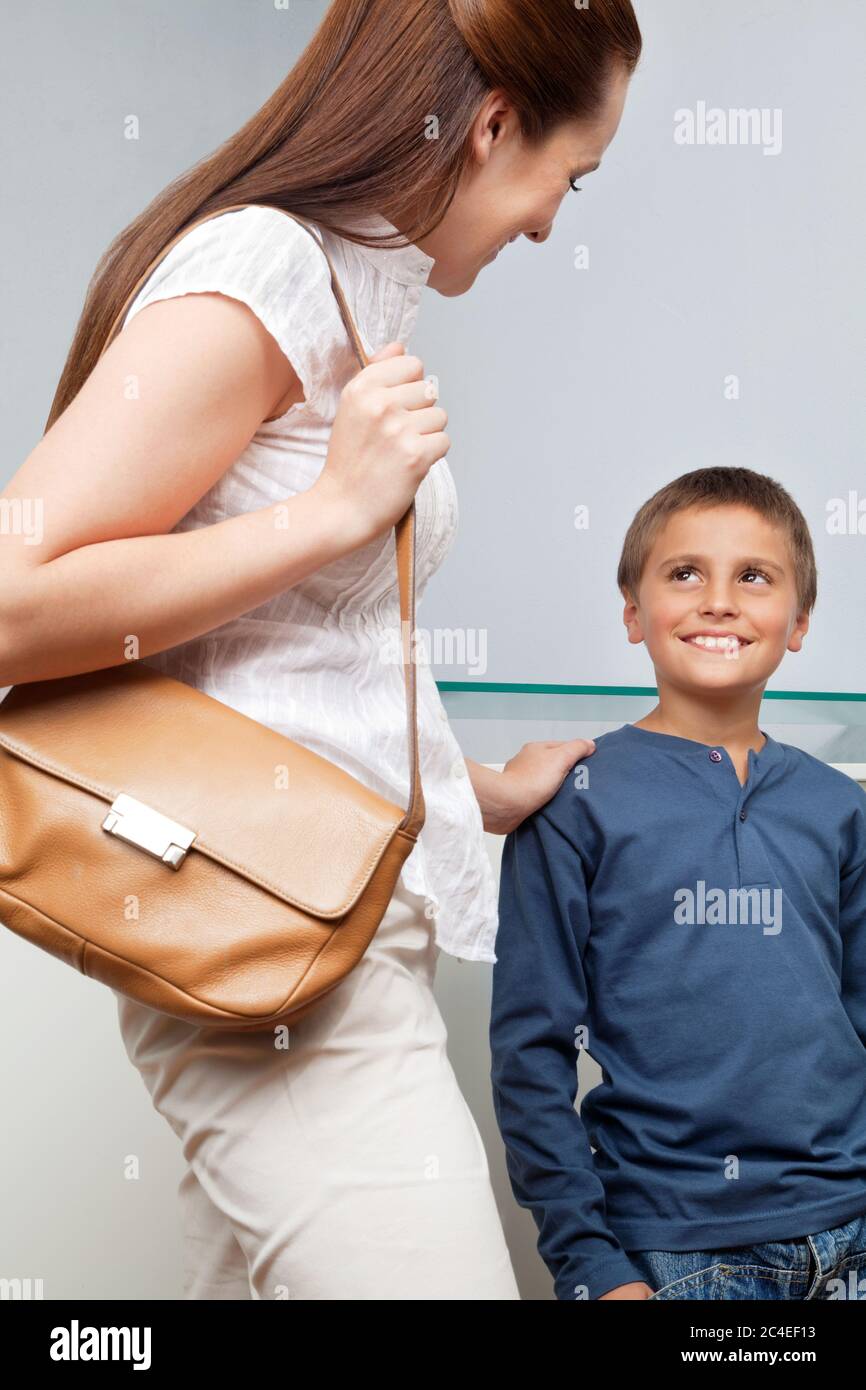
pixel 727 645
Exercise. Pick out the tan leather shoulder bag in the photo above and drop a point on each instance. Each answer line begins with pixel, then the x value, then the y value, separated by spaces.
pixel 176 850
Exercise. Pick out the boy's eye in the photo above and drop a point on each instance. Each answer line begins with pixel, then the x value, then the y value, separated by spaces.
pixel 687 569
pixel 575 187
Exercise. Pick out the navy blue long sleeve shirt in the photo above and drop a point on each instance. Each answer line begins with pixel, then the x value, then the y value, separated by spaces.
pixel 729 1025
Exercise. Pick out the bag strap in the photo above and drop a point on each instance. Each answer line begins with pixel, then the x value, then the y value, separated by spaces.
pixel 404 529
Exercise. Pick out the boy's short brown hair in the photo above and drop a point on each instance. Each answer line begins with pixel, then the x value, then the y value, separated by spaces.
pixel 713 487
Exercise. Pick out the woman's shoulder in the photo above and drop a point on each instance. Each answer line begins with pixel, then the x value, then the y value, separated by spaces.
pixel 260 234
pixel 267 260
pixel 256 246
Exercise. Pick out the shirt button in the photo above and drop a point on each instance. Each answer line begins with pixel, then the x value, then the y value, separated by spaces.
pixel 742 815
pixel 458 768
pixel 715 755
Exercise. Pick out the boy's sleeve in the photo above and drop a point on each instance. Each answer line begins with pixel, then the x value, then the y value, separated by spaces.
pixel 539 999
pixel 852 922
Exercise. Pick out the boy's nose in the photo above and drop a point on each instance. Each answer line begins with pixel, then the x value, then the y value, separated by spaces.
pixel 721 602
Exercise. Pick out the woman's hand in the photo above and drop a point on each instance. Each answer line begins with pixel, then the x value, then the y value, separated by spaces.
pixel 387 433
pixel 527 781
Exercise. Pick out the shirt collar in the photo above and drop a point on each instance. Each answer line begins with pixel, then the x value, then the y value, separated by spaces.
pixel 408 265
pixel 771 753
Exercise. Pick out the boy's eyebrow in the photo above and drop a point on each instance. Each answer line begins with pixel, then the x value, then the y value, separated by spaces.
pixel 748 562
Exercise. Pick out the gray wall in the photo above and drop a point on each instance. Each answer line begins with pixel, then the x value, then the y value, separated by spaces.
pixel 563 386
pixel 596 387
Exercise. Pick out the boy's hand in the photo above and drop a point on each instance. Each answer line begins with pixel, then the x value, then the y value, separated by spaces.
pixel 627 1291
pixel 536 772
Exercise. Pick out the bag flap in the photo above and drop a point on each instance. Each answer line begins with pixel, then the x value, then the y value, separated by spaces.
pixel 260 804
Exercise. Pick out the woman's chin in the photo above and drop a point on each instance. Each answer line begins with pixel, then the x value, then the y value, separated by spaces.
pixel 456 280
pixel 453 287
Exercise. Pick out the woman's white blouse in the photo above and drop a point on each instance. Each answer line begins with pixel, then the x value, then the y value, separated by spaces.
pixel 320 662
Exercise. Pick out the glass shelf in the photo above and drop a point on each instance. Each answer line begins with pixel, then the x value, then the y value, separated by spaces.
pixel 491 720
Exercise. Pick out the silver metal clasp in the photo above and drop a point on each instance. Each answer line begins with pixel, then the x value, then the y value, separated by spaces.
pixel 150 830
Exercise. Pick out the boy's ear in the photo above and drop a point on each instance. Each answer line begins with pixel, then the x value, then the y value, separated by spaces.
pixel 630 618
pixel 798 632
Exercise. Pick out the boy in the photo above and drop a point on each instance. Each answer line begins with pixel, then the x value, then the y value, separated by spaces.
pixel 690 907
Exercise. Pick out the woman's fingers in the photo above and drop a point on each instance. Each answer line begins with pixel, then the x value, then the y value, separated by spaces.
pixel 390 367
pixel 387 434
pixel 574 748
pixel 389 350
pixel 415 395
pixel 431 420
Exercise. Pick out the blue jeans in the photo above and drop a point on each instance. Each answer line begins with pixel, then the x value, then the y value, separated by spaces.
pixel 829 1265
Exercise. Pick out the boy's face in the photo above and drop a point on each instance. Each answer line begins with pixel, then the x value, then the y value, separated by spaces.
pixel 723 571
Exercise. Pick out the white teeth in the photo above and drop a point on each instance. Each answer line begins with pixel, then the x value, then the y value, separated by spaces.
pixel 712 643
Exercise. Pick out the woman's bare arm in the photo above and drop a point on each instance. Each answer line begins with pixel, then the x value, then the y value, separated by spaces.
pixel 529 779
pixel 169 406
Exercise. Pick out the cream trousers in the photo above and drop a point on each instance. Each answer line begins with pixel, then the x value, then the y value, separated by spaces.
pixel 347 1166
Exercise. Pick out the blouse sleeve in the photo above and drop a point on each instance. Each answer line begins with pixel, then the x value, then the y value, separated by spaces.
pixel 269 262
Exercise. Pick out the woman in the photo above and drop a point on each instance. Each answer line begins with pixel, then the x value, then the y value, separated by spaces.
pixel 223 484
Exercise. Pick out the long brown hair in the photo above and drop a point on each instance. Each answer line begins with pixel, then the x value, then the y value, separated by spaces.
pixel 348 131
